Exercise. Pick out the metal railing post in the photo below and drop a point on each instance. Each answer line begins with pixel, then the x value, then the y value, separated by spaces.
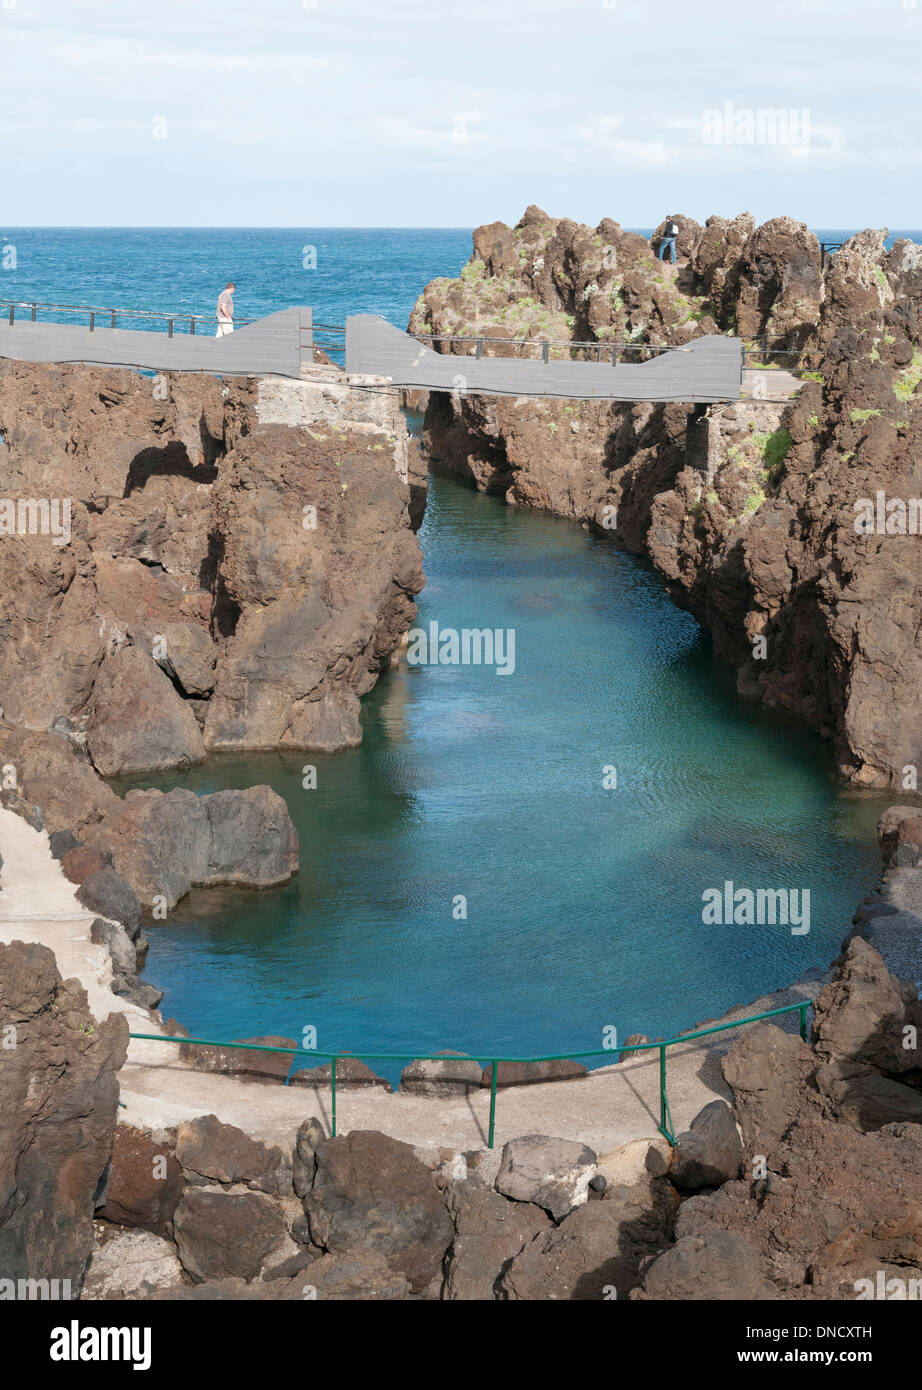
pixel 495 1065
pixel 545 351
pixel 33 313
pixel 12 312
pixel 478 351
pixel 192 325
pixel 92 323
pixel 112 321
pixel 333 1094
pixel 803 1021
pixel 169 328
pixel 662 1087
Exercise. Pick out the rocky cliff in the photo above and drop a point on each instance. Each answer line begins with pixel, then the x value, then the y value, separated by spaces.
pixel 228 578
pixel 186 566
pixel 749 511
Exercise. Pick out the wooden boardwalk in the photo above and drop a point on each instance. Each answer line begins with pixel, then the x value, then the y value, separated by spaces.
pixel 707 369
pixel 272 346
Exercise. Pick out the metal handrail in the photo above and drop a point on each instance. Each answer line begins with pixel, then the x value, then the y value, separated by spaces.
pixel 551 342
pixel 665 1124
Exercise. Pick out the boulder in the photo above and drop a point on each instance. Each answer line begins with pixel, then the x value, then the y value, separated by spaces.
pixel 371 1192
pixel 61 841
pixel 489 1232
pixel 120 946
pixel 709 1152
pixel 633 1162
pixel 528 1073
pixel 860 1015
pixel 209 1151
pixel 767 1070
pixel 896 826
pixel 633 1040
pixel 780 282
pixel 304 1163
pixel 551 1173
pixel 108 894
pixel 598 1251
pixel 230 1061
pixel 351 1074
pixel 223 1235
pixel 164 843
pixel 144 1182
pixel 457 1075
pixel 136 720
pixel 131 1265
pixel 78 864
pixel 721 1267
pixel 58 1108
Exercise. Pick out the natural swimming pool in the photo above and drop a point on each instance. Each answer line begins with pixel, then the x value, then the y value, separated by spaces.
pixel 583 901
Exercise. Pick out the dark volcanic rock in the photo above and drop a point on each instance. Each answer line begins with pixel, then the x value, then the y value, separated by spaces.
pixel 750 511
pixel 144 1182
pixel 58 1107
pixel 230 1061
pixel 209 1151
pixel 371 1192
pixel 166 842
pixel 721 1266
pixel 527 1073
pixel 107 893
pixel 709 1152
pixel 223 1235
pixel 136 720
pixel 489 1232
pixel 80 862
pixel 598 1251
pixel 457 1075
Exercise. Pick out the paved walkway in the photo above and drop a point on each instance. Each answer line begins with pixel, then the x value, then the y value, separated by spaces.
pixel 606 1109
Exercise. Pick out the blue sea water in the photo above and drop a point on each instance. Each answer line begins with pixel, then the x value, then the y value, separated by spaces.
pixel 376 270
pixel 583 903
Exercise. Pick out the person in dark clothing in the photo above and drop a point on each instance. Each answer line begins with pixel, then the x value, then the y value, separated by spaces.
pixel 670 232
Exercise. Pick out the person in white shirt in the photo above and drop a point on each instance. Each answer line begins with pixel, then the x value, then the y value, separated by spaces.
pixel 226 310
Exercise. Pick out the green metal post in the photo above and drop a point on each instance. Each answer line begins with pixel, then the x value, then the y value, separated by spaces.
pixel 803 1022
pixel 333 1089
pixel 495 1068
pixel 662 1088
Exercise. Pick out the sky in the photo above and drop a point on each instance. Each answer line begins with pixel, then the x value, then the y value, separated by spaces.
pixel 452 113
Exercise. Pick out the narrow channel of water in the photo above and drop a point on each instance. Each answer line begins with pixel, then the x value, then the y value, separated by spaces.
pixel 584 903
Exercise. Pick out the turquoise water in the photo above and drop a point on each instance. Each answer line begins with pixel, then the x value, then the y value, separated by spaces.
pixel 584 904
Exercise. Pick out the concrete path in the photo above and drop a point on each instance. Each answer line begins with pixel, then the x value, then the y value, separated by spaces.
pixel 606 1109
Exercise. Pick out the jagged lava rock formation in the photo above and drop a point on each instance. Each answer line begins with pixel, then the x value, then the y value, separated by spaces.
pixel 748 510
pixel 241 563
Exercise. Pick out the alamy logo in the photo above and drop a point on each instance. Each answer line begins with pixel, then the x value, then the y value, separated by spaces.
pixel 888 516
pixel 895 1289
pixel 762 907
pixel 76 1343
pixel 36 516
pixel 741 125
pixel 472 646
pixel 34 1290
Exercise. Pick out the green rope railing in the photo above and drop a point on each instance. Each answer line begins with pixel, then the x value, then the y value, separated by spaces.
pixel 665 1123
